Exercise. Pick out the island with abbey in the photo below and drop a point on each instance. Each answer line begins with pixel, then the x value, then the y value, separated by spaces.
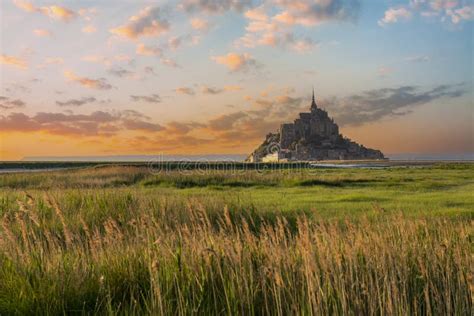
pixel 311 137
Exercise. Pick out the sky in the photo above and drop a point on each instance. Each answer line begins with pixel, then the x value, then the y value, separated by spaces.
pixel 123 77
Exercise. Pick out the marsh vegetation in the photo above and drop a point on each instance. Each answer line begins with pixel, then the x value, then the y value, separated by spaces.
pixel 122 240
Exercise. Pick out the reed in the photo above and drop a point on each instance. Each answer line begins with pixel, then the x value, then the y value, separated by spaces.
pixel 227 263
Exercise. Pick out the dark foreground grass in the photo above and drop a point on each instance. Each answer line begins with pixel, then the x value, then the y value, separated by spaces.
pixel 120 240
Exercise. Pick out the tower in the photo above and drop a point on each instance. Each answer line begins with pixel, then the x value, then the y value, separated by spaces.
pixel 313 102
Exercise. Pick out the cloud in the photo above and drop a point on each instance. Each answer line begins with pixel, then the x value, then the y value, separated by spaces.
pixel 58 12
pixel 182 128
pixel 263 29
pixel 13 61
pixel 8 104
pixel 154 98
pixel 25 5
pixel 99 84
pixel 310 12
pixel 199 24
pixel 236 62
pixel 214 90
pixel 384 71
pixel 172 43
pixel 51 61
pixel 134 124
pixel 53 11
pixel 148 22
pixel 121 72
pixel 123 57
pixel 393 15
pixel 195 40
pixel 54 60
pixel 214 6
pixel 42 33
pixel 280 106
pixel 87 13
pixel 435 4
pixel 89 29
pixel 150 70
pixel 18 122
pixel 418 59
pixel 263 103
pixel 76 102
pixel 304 45
pixel 94 124
pixel 228 131
pixel 185 90
pixel 286 101
pixel 106 61
pixel 232 88
pixel 175 42
pixel 257 14
pixel 453 11
pixel 15 87
pixel 169 62
pixel 211 90
pixel 465 13
pixel 242 127
pixel 170 142
pixel 142 49
pixel 226 121
pixel 282 39
pixel 373 105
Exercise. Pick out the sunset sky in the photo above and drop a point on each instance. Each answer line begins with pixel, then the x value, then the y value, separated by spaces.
pixel 206 76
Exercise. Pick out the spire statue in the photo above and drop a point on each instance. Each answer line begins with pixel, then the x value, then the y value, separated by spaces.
pixel 313 102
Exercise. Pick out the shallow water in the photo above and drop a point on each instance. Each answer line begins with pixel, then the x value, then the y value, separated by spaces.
pixel 24 170
pixel 359 166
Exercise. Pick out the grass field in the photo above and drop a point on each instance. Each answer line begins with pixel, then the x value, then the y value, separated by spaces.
pixel 123 240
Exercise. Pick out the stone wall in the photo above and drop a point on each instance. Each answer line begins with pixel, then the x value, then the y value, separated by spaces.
pixel 287 135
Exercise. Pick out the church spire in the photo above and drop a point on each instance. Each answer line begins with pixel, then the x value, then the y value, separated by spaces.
pixel 313 102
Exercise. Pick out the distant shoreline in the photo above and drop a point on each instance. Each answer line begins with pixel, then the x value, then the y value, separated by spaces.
pixel 231 157
pixel 7 167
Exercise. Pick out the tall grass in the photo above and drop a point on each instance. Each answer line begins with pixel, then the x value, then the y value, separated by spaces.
pixel 409 179
pixel 151 262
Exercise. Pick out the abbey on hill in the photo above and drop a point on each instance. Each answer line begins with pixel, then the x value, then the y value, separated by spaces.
pixel 313 136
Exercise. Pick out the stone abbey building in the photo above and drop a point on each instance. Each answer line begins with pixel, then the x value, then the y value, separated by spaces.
pixel 313 136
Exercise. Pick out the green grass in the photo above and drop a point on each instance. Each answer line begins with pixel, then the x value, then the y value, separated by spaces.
pixel 446 188
pixel 293 241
